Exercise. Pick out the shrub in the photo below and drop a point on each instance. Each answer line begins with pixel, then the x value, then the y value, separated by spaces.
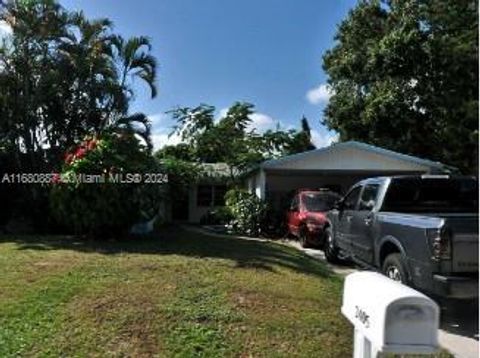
pixel 248 211
pixel 104 208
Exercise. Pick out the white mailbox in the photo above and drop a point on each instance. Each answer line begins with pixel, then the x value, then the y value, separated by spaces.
pixel 389 317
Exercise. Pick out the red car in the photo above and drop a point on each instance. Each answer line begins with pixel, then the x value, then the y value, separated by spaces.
pixel 306 216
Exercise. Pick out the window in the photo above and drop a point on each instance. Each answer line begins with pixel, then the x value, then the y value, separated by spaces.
pixel 350 201
pixel 369 197
pixel 426 195
pixel 319 202
pixel 208 195
pixel 219 192
pixel 204 195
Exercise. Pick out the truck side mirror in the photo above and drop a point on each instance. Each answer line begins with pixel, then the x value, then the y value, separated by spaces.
pixel 389 317
pixel 370 204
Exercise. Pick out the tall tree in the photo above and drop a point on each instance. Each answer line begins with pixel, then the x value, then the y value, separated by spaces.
pixel 63 76
pixel 404 75
pixel 231 139
pixel 301 141
pixel 226 140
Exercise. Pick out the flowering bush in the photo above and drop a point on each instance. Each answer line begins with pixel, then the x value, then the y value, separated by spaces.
pixel 91 194
pixel 247 210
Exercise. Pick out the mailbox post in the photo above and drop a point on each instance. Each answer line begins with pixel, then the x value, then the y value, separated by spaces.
pixel 389 317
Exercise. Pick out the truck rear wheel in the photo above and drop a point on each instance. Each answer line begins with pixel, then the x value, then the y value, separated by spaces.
pixel 394 268
pixel 329 248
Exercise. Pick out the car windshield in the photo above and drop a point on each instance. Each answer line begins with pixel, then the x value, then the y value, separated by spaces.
pixel 432 195
pixel 318 202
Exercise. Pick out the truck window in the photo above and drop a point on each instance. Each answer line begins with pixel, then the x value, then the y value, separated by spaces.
pixel 319 202
pixel 351 200
pixel 369 197
pixel 432 195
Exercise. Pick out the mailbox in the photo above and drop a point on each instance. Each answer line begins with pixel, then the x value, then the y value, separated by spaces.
pixel 389 317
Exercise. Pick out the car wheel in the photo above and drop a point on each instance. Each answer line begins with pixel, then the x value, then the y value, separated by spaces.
pixel 394 268
pixel 303 237
pixel 331 251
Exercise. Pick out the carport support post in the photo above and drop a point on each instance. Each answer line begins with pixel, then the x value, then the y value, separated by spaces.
pixel 362 347
pixel 262 182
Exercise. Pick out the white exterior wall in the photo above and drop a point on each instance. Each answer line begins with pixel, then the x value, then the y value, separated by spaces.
pixel 255 184
pixel 260 187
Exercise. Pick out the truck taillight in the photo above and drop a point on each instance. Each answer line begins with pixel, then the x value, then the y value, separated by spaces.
pixel 441 243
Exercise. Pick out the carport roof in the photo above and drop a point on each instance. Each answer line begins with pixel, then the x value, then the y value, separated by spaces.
pixel 276 163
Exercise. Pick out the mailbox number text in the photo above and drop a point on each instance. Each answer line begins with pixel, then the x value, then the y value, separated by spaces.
pixel 362 316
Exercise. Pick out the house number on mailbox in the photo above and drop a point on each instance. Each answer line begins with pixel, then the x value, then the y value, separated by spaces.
pixel 362 316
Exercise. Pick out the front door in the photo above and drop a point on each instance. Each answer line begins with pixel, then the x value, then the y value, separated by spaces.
pixel 362 223
pixel 343 234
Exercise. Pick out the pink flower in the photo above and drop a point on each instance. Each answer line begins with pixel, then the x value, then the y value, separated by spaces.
pixel 80 153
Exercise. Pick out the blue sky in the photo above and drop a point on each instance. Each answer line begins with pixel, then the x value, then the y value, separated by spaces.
pixel 267 52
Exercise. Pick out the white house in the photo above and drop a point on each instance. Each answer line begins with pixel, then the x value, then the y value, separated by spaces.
pixel 337 167
pixel 205 195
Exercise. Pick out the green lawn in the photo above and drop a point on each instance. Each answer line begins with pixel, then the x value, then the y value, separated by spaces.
pixel 177 294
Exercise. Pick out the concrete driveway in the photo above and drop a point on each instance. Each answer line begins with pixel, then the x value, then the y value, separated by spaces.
pixel 459 318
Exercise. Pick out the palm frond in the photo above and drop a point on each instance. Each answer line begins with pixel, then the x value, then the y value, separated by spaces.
pixel 134 44
pixel 137 124
pixel 136 61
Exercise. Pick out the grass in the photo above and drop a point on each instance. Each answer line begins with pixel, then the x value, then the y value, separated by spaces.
pixel 176 294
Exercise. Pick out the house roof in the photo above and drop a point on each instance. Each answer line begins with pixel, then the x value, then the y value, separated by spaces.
pixel 276 163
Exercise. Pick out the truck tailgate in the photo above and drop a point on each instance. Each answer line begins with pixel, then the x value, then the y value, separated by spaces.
pixel 464 242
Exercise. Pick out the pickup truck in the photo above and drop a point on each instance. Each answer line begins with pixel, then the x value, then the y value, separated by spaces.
pixel 420 230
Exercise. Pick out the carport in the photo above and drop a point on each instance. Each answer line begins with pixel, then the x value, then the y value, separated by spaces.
pixel 336 167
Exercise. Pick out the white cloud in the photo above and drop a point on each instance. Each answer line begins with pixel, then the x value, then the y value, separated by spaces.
pixel 261 122
pixel 321 140
pixel 158 120
pixel 161 129
pixel 221 114
pixel 161 138
pixel 5 36
pixel 319 94
pixel 5 29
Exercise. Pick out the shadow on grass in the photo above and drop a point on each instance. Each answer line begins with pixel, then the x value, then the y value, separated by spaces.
pixel 249 254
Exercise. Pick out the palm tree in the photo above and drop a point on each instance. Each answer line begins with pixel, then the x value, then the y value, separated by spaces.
pixel 66 76
pixel 134 60
pixel 111 63
pixel 86 59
